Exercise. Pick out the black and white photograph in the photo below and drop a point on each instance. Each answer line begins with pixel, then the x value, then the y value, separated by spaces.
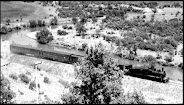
pixel 91 52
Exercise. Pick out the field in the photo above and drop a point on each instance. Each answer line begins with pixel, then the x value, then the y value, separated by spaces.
pixel 13 10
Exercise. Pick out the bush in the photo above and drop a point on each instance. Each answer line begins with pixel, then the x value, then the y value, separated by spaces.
pixel 74 20
pixel 41 23
pixel 135 98
pixel 13 76
pixel 144 16
pixel 65 27
pixel 181 65
pixel 168 59
pixel 138 39
pixel 4 30
pixel 44 36
pixel 8 21
pixel 24 78
pixel 4 81
pixel 46 80
pixel 148 58
pixel 130 57
pixel 54 21
pixel 32 85
pixel 32 23
pixel 63 33
pixel 171 41
pixel 84 46
pixel 70 27
pixel 6 93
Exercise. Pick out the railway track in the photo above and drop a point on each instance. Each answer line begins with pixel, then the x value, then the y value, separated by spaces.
pixel 175 83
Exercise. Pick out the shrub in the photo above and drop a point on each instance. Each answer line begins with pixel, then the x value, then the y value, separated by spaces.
pixel 138 39
pixel 44 36
pixel 6 93
pixel 84 46
pixel 171 41
pixel 168 59
pixel 4 81
pixel 13 76
pixel 70 27
pixel 149 58
pixel 65 27
pixel 144 16
pixel 181 65
pixel 130 57
pixel 32 85
pixel 8 21
pixel 74 20
pixel 63 33
pixel 135 98
pixel 9 29
pixel 32 23
pixel 24 78
pixel 4 30
pixel 41 23
pixel 46 80
pixel 54 21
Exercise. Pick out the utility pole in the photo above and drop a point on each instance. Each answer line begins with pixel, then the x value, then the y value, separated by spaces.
pixel 37 91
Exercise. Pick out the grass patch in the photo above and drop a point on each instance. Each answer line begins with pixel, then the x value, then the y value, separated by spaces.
pixel 13 10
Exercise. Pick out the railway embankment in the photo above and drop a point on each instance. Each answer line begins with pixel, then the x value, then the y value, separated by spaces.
pixel 154 92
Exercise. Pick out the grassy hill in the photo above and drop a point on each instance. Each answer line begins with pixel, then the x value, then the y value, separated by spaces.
pixel 13 10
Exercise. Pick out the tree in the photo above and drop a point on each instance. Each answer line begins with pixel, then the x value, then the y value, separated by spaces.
pixel 4 30
pixel 101 81
pixel 33 23
pixel 8 21
pixel 74 20
pixel 81 30
pixel 62 33
pixel 44 36
pixel 54 21
pixel 94 19
pixel 6 94
pixel 152 4
pixel 176 5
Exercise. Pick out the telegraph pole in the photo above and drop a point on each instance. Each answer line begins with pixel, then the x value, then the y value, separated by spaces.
pixel 37 91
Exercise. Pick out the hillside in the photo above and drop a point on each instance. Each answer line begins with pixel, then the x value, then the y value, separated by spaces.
pixel 13 10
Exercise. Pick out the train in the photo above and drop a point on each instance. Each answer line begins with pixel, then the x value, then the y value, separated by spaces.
pixel 71 57
pixel 60 56
pixel 146 72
